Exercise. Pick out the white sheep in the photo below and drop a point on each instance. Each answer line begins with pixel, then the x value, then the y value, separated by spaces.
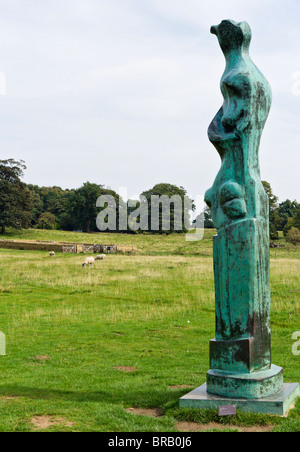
pixel 100 257
pixel 88 261
pixel 51 254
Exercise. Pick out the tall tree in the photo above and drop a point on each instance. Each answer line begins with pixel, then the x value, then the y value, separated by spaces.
pixel 296 218
pixel 286 210
pixel 15 199
pixel 82 206
pixel 49 200
pixel 208 223
pixel 168 207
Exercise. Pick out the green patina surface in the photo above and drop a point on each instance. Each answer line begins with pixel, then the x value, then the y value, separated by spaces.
pixel 239 207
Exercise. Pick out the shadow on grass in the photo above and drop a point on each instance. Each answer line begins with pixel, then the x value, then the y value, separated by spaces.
pixel 160 398
pixel 147 397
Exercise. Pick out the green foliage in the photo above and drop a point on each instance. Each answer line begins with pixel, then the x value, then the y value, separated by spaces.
pixel 293 236
pixel 286 210
pixel 15 200
pixel 77 210
pixel 296 218
pixel 273 200
pixel 24 206
pixel 208 223
pixel 288 226
pixel 285 214
pixel 82 205
pixel 52 200
pixel 66 222
pixel 170 222
pixel 46 221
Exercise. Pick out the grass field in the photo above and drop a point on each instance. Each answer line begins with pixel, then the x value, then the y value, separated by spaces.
pixel 112 348
pixel 162 245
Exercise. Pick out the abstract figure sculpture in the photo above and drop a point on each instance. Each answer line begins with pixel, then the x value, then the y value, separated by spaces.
pixel 240 355
pixel 240 212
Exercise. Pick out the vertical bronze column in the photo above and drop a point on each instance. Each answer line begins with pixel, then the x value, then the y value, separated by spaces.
pixel 240 355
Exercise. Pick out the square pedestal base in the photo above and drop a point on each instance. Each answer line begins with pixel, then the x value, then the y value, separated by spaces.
pixel 277 404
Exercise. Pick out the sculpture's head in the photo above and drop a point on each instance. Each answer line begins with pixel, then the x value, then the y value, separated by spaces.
pixel 233 35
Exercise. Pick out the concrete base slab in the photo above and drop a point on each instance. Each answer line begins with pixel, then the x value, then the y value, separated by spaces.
pixel 276 404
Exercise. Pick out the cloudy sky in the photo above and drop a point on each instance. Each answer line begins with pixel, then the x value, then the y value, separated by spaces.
pixel 121 92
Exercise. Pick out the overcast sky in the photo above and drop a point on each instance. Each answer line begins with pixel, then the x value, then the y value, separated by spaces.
pixel 121 92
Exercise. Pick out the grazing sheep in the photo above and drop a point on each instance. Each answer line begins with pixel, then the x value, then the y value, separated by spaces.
pixel 88 261
pixel 51 254
pixel 101 257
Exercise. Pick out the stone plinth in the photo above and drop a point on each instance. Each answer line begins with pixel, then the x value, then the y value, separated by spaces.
pixel 276 404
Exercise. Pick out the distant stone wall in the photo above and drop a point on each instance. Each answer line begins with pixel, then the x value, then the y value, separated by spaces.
pixel 58 247
pixel 30 246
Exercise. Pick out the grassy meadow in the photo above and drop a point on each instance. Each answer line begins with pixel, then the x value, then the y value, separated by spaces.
pixel 112 348
pixel 147 244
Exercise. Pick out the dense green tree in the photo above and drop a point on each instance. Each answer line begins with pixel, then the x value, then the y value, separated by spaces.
pixel 82 208
pixel 49 199
pixel 293 236
pixel 15 199
pixel 285 211
pixel 66 222
pixel 47 221
pixel 55 200
pixel 37 205
pixel 168 208
pixel 288 226
pixel 296 218
pixel 288 208
pixel 273 200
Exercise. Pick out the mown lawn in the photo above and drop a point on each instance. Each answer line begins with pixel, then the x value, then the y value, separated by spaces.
pixel 87 348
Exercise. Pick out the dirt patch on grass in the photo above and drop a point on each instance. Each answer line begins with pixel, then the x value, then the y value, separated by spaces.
pixel 154 412
pixel 42 358
pixel 126 369
pixel 193 427
pixel 257 428
pixel 7 398
pixel 44 422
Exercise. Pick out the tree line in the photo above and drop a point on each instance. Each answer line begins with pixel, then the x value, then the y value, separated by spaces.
pixel 284 216
pixel 30 206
